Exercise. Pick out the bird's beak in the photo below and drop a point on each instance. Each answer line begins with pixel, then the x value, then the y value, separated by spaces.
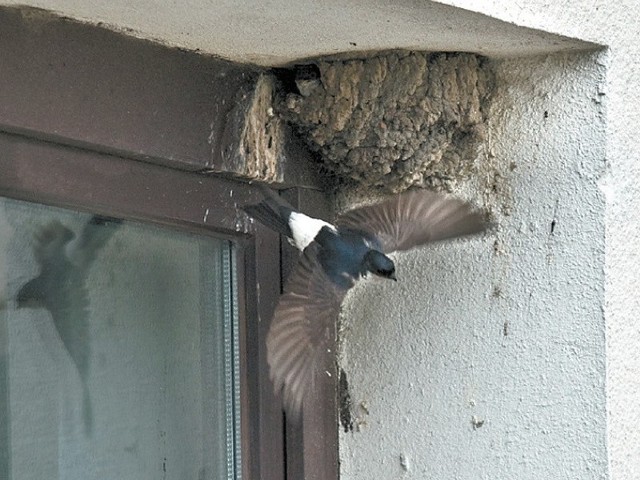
pixel 393 277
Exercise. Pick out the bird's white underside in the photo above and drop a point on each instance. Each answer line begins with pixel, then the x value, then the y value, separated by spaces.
pixel 305 229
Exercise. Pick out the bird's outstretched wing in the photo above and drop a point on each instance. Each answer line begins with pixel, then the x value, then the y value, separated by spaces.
pixel 302 331
pixel 414 218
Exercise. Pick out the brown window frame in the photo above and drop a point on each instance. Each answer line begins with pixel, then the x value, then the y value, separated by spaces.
pixel 93 120
pixel 82 180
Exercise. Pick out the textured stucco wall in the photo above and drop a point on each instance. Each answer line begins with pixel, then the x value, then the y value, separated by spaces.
pixel 614 24
pixel 487 358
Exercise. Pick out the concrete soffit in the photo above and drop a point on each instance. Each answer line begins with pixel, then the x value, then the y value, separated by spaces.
pixel 283 32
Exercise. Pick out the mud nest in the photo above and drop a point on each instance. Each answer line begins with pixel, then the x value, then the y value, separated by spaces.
pixel 394 120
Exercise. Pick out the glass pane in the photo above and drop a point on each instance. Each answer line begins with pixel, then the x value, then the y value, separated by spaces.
pixel 118 350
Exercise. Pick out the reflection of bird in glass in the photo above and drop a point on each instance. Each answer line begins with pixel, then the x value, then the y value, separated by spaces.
pixel 60 288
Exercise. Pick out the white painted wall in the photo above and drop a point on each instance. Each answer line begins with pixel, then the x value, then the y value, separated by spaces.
pixel 506 330
pixel 616 25
pixel 609 282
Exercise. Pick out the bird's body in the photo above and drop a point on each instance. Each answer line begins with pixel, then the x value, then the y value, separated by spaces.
pixel 333 258
pixel 304 229
pixel 60 288
pixel 343 255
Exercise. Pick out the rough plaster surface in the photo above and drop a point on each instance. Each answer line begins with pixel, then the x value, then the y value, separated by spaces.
pixel 487 358
pixel 396 120
pixel 614 24
pixel 279 31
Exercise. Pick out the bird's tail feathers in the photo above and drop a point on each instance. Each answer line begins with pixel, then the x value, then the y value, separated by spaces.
pixel 272 212
pixel 265 215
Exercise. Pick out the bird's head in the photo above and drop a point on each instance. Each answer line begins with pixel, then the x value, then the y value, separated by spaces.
pixel 29 296
pixel 379 264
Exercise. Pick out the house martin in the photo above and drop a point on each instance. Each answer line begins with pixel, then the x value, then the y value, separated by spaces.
pixel 334 257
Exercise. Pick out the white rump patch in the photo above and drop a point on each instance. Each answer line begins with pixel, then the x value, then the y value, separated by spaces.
pixel 305 229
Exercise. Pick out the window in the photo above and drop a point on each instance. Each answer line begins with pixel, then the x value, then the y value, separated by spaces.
pixel 161 370
pixel 96 123
pixel 128 360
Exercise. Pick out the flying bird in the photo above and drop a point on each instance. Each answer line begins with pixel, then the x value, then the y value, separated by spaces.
pixel 334 257
pixel 60 288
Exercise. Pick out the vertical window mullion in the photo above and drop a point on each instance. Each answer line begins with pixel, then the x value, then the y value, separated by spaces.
pixel 232 365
